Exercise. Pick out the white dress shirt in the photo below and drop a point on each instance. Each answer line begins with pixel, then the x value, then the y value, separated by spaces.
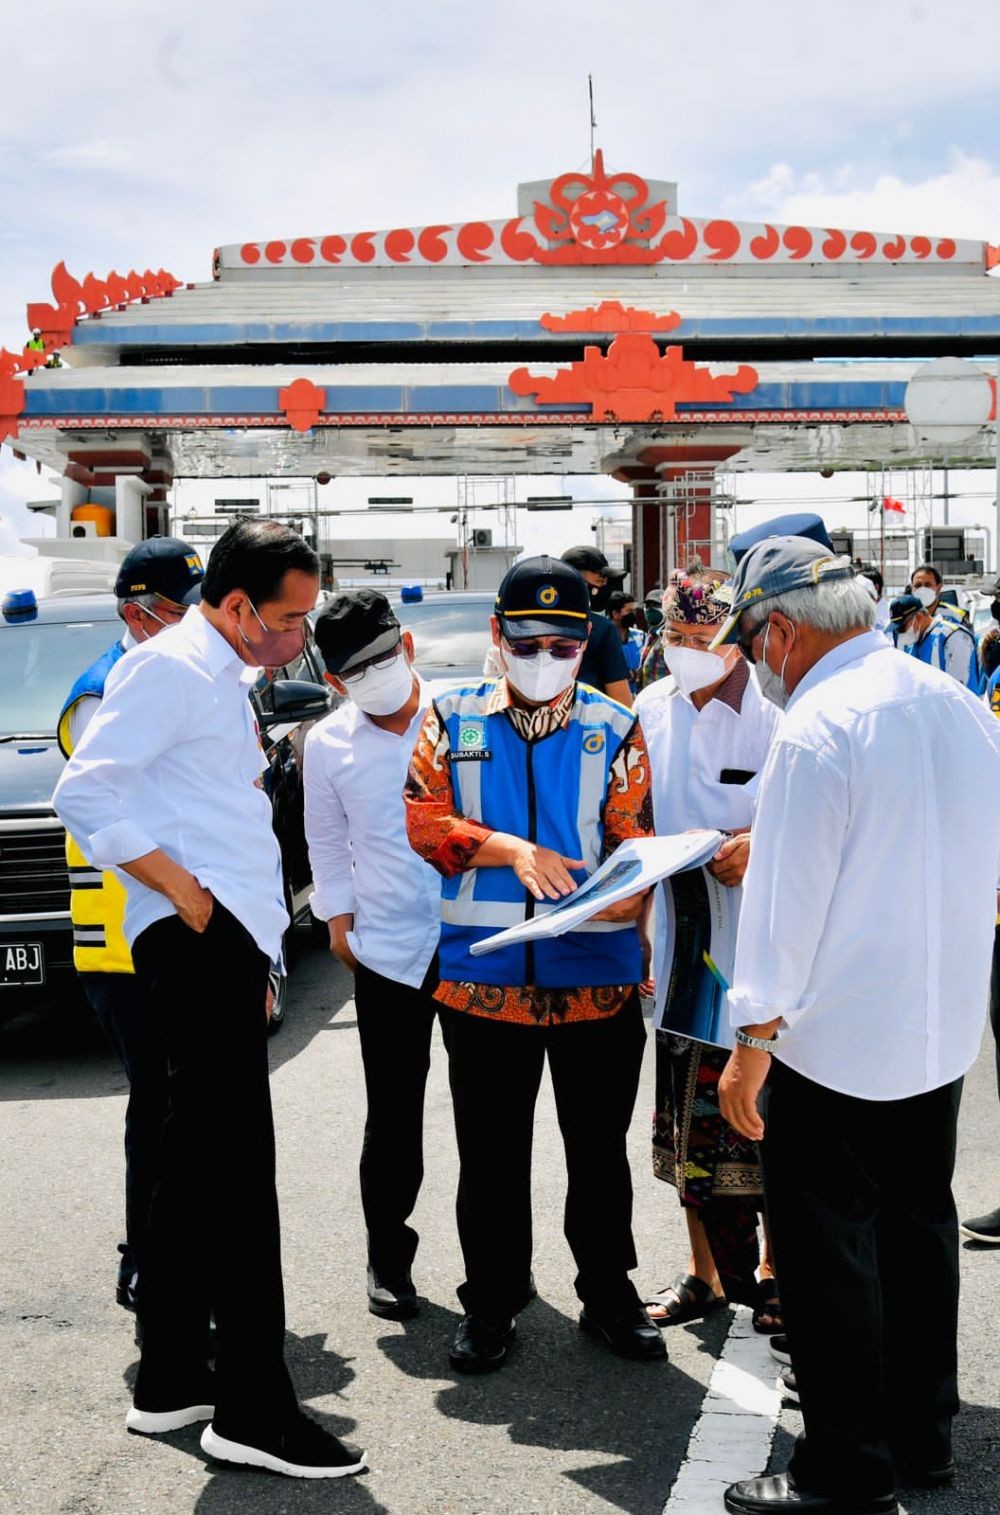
pixel 869 902
pixel 688 751
pixel 172 760
pixel 362 863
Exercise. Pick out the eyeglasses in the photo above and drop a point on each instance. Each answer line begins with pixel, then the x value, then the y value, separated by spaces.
pixel 745 644
pixel 381 660
pixel 687 639
pixel 530 647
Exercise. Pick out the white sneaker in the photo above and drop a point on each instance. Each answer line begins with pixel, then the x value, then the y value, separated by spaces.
pixel 156 1422
pixel 299 1449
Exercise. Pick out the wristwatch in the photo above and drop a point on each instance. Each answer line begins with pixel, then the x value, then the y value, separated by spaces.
pixel 757 1042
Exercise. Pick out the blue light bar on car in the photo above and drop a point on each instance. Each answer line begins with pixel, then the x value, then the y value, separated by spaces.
pixel 20 605
pixel 411 594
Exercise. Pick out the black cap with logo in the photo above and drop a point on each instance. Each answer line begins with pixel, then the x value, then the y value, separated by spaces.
pixel 543 597
pixel 163 566
pixel 353 627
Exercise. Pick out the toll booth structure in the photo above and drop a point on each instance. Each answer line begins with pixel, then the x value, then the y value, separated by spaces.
pixel 593 329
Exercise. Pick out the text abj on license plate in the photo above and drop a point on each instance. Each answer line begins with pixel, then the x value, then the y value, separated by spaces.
pixel 21 963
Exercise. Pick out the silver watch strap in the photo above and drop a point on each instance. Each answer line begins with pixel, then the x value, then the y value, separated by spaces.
pixel 756 1042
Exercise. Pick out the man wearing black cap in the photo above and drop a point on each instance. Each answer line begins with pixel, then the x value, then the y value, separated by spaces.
pixel 604 663
pixel 156 582
pixel 381 903
pixel 517 790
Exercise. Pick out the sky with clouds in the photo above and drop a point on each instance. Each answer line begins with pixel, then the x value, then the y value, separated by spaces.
pixel 133 135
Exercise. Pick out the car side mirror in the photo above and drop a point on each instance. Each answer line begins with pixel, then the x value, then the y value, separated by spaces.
pixel 294 701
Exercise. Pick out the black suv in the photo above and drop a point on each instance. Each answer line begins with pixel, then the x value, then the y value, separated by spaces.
pixel 41 656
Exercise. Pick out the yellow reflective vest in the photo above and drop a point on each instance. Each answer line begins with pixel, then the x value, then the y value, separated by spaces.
pixel 97 899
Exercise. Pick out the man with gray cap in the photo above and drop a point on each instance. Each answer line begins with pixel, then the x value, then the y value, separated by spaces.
pixel 856 1019
pixel 381 903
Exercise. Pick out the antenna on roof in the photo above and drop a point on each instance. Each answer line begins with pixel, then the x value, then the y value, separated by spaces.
pixel 593 121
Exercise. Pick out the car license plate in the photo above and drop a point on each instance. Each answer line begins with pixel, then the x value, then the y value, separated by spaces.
pixel 21 963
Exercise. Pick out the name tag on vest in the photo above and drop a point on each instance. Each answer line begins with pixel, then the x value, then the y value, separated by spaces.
pixel 472 746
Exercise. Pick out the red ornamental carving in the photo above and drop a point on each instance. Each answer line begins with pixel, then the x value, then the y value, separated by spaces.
pixel 56 322
pixel 599 218
pixel 611 315
pixel 12 388
pixel 634 382
pixel 303 402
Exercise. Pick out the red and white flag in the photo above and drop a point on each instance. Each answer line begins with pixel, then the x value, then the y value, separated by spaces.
pixel 894 505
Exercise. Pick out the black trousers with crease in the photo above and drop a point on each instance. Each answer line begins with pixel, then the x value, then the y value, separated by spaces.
pixel 214 1217
pixel 865 1238
pixel 395 1023
pixel 495 1070
pixel 119 1003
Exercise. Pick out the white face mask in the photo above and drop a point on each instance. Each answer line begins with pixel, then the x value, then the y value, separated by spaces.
pixel 693 669
pixel 541 678
pixel 926 596
pixel 906 639
pixel 383 691
pixel 772 685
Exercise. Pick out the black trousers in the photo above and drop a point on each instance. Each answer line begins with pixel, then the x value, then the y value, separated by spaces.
pixel 395 1024
pixel 866 1244
pixel 495 1070
pixel 995 1001
pixel 119 1003
pixel 214 1216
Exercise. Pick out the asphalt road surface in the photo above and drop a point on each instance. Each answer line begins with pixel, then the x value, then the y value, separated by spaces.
pixel 565 1429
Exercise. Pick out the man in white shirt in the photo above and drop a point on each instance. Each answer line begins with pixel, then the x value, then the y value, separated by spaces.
pixel 382 905
pixel 872 1003
pixel 708 729
pixel 165 787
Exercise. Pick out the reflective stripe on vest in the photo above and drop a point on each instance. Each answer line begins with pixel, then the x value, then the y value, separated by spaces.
pixel 97 899
pixel 550 791
pixel 931 648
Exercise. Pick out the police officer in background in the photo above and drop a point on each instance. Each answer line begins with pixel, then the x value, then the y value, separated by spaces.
pixel 517 790
pixel 157 580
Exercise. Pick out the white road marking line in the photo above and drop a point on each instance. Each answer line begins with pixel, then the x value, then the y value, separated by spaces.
pixel 732 1436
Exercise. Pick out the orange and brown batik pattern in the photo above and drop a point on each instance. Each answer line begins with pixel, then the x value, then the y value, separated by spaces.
pixel 449 842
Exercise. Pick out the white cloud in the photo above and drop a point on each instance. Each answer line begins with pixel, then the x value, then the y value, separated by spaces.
pixel 95 154
pixel 963 201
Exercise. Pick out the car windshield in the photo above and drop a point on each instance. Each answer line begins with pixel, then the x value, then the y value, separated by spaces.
pixel 448 635
pixel 39 664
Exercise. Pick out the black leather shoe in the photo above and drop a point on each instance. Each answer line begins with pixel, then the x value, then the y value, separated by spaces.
pixel 630 1334
pixel 768 1496
pixel 395 1300
pixel 480 1346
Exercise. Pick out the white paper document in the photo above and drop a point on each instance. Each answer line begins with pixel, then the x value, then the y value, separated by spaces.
pixel 636 865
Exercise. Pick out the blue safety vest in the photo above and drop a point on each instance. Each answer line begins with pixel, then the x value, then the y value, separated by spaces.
pixel 97 900
pixel 552 792
pixel 930 648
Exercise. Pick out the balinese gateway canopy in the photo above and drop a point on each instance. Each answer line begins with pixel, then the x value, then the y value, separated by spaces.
pixel 594 329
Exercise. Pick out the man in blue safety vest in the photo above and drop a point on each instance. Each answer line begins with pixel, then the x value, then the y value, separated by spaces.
pixel 518 788
pixel 156 582
pixel 935 639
